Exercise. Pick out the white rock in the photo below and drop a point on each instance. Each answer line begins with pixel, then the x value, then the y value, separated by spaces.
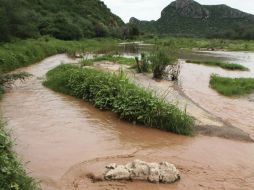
pixel 118 173
pixel 111 166
pixel 140 170
pixel 154 174
pixel 168 173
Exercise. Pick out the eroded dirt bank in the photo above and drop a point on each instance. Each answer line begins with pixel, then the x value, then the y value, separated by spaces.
pixel 61 139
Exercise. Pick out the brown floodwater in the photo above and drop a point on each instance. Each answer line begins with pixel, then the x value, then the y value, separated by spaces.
pixel 60 139
pixel 238 111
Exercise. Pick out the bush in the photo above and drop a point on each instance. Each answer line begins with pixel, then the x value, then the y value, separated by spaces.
pixel 160 59
pixel 116 93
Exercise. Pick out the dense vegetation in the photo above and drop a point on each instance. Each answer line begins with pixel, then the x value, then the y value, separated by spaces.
pixel 190 19
pixel 229 66
pixel 232 86
pixel 115 92
pixel 62 19
pixel 26 52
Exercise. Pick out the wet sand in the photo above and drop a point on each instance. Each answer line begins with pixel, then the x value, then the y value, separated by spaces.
pixel 61 139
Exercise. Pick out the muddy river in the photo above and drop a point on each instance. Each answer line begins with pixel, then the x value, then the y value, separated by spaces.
pixel 60 139
pixel 194 81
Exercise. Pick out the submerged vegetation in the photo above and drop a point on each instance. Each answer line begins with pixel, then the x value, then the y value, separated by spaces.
pixel 232 86
pixel 229 66
pixel 115 92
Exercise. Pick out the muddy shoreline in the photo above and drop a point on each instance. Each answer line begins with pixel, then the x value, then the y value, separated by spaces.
pixel 61 139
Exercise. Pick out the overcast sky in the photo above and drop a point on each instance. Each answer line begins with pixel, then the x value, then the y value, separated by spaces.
pixel 151 9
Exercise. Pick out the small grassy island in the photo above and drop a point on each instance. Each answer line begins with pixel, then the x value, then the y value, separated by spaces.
pixel 117 93
pixel 232 86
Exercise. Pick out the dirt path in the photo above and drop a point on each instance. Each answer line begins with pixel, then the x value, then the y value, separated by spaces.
pixel 61 139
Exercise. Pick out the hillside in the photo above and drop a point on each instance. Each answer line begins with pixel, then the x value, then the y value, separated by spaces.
pixel 63 19
pixel 189 18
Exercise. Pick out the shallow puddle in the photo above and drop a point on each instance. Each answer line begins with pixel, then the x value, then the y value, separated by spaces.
pixel 61 138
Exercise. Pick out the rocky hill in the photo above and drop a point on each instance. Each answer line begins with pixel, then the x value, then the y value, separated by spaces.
pixel 189 18
pixel 63 19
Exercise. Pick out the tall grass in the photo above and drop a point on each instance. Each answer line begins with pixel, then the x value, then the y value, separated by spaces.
pixel 12 174
pixel 25 52
pixel 116 93
pixel 232 86
pixel 160 59
pixel 229 66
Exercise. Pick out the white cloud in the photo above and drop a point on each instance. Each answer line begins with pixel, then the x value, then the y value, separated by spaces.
pixel 151 9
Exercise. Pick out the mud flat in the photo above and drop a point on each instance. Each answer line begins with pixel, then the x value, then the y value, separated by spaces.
pixel 62 139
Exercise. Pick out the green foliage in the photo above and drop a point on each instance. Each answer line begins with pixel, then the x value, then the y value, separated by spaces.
pixel 115 92
pixel 143 65
pixel 232 86
pixel 26 52
pixel 160 59
pixel 12 174
pixel 62 19
pixel 229 66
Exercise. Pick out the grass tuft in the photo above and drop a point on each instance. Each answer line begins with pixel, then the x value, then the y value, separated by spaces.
pixel 232 86
pixel 228 66
pixel 115 92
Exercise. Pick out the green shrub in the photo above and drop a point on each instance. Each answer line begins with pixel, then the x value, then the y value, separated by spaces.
pixel 160 59
pixel 232 86
pixel 116 93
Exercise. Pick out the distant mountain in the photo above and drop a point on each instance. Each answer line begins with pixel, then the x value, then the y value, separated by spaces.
pixel 189 18
pixel 63 19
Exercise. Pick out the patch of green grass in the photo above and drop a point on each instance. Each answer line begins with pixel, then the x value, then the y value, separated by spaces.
pixel 232 86
pixel 26 52
pixel 228 66
pixel 115 59
pixel 117 93
pixel 12 174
